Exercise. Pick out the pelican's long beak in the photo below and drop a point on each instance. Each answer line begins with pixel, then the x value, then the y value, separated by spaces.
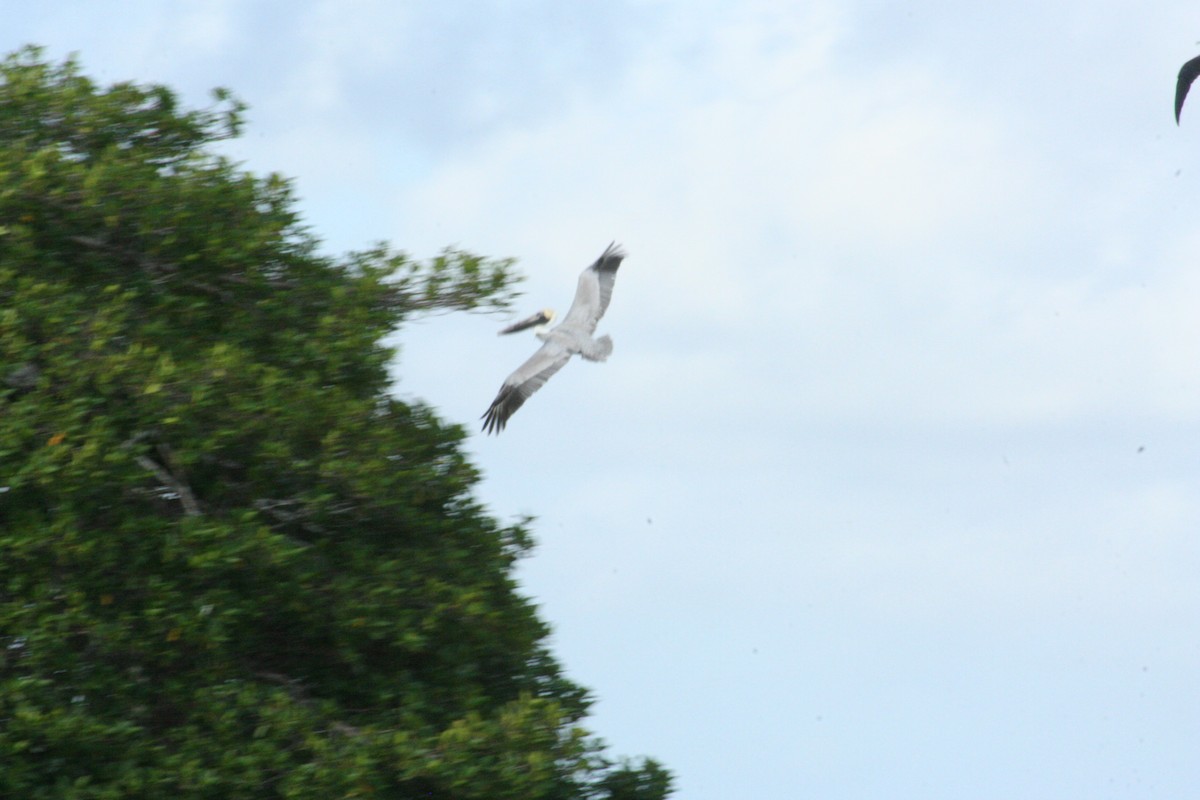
pixel 540 318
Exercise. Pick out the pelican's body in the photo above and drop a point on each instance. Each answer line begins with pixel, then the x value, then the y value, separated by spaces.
pixel 574 335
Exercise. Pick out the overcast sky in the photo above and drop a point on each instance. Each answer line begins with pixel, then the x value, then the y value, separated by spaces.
pixel 891 486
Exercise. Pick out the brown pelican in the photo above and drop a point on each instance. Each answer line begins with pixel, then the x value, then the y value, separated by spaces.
pixel 1187 74
pixel 573 335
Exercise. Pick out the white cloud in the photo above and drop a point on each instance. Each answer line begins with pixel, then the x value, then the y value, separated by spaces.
pixel 845 244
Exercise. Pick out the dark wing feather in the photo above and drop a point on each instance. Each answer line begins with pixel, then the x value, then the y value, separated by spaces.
pixel 518 387
pixel 1187 75
pixel 595 290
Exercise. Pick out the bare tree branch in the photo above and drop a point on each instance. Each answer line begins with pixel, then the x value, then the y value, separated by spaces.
pixel 186 498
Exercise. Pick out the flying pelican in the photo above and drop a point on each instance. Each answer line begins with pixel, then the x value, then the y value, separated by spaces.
pixel 1187 75
pixel 573 335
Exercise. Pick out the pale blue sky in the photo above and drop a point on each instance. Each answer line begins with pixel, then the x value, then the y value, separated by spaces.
pixel 859 507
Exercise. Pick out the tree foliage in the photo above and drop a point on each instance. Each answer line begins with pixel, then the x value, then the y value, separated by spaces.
pixel 231 564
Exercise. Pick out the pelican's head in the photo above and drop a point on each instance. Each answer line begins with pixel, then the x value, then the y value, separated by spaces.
pixel 540 319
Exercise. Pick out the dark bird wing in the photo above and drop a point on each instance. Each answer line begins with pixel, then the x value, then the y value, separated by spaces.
pixel 594 290
pixel 1187 74
pixel 527 379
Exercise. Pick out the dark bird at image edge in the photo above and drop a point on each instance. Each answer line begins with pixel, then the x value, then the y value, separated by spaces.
pixel 1187 75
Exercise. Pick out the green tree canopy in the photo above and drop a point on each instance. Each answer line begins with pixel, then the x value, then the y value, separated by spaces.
pixel 232 565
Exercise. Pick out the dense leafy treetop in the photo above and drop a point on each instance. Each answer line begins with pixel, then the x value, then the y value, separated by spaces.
pixel 231 564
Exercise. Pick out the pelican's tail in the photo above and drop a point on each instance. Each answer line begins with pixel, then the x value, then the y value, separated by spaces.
pixel 598 349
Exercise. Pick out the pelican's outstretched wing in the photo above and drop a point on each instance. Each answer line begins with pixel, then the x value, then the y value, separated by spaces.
pixel 528 378
pixel 1187 75
pixel 594 291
